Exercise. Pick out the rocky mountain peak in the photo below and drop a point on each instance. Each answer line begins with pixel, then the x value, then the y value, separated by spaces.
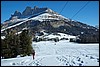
pixel 27 11
pixel 35 7
pixel 17 13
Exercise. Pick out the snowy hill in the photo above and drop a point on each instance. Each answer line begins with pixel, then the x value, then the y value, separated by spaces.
pixel 60 36
pixel 62 54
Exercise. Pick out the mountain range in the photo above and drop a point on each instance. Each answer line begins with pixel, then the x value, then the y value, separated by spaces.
pixel 37 19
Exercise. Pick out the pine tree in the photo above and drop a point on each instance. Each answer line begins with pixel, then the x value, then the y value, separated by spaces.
pixel 14 45
pixel 3 46
pixel 9 46
pixel 25 43
pixel 6 51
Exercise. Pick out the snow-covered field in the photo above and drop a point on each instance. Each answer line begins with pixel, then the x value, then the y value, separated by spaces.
pixel 62 53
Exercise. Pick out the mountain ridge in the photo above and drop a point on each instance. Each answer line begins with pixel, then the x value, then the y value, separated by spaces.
pixel 37 19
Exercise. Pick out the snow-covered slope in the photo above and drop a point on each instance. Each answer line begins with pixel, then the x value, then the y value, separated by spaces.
pixel 62 53
pixel 14 25
pixel 58 35
pixel 47 16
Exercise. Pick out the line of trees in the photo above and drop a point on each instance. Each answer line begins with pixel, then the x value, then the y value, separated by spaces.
pixel 88 39
pixel 14 45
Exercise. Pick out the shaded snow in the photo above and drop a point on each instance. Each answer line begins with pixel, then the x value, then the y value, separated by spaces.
pixel 63 53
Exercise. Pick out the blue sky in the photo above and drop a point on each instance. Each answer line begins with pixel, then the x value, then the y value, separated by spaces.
pixel 88 15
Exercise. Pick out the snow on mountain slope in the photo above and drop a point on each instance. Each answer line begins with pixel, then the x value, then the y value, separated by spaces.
pixel 44 17
pixel 62 53
pixel 66 36
pixel 14 25
pixel 49 16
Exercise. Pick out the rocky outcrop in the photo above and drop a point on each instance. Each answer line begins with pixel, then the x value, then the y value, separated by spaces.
pixel 17 13
pixel 27 11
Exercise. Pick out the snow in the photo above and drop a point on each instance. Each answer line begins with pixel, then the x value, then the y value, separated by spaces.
pixel 2 37
pixel 17 20
pixel 51 36
pixel 18 32
pixel 14 25
pixel 66 36
pixel 62 53
pixel 44 16
pixel 64 17
pixel 59 36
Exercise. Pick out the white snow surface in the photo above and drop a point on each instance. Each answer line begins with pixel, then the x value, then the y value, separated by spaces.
pixel 44 16
pixel 62 53
pixel 59 36
pixel 18 32
pixel 2 37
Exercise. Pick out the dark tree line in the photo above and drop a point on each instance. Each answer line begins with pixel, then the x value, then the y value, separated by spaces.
pixel 88 38
pixel 14 45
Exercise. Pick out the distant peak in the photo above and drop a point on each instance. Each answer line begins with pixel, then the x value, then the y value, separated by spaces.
pixel 16 11
pixel 28 7
pixel 35 7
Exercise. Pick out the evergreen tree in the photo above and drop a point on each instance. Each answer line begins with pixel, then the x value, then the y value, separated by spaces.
pixel 25 43
pixel 12 39
pixel 14 45
pixel 9 46
pixel 3 47
pixel 6 51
